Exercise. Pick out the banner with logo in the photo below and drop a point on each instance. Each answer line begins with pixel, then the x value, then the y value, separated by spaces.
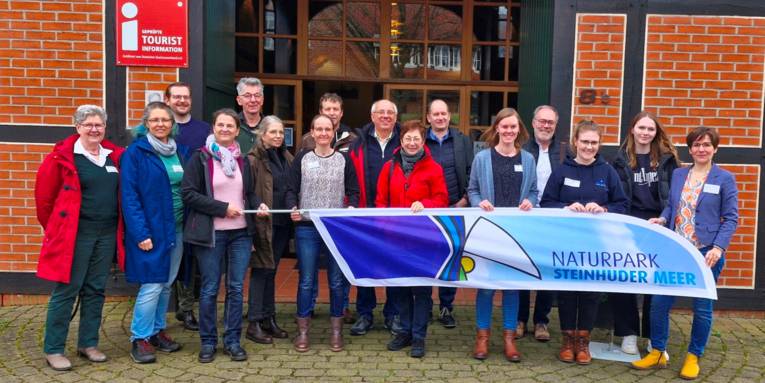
pixel 543 249
pixel 152 33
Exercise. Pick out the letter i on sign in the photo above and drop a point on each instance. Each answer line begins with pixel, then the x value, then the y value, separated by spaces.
pixel 129 28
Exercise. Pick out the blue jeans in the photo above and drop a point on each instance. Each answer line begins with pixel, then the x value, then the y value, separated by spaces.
pixel 231 255
pixel 414 304
pixel 446 297
pixel 702 316
pixel 484 304
pixel 309 246
pixel 151 303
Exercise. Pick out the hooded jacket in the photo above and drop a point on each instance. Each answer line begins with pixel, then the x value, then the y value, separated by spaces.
pixel 597 182
pixel 57 198
pixel 667 164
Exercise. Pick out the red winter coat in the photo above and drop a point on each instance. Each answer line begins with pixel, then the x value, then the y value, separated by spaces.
pixel 425 184
pixel 57 197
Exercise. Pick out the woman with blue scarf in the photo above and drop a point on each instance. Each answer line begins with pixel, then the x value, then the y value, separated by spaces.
pixel 217 187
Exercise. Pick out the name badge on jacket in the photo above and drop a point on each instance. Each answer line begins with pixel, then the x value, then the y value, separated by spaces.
pixel 573 183
pixel 111 169
pixel 178 168
pixel 711 189
pixel 518 168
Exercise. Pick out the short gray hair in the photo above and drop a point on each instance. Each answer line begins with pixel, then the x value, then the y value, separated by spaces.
pixel 247 81
pixel 88 110
pixel 268 121
pixel 157 105
pixel 552 108
pixel 374 105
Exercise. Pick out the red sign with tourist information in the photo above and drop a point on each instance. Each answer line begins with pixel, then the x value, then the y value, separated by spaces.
pixel 152 33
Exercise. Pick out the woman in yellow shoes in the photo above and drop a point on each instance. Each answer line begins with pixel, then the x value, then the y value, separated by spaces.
pixel 703 208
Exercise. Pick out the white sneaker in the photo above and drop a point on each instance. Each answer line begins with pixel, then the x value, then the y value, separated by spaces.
pixel 629 345
pixel 648 348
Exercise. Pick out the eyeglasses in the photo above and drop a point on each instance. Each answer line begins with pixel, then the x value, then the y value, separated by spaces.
pixel 589 143
pixel 545 122
pixel 180 97
pixel 385 112
pixel 159 120
pixel 414 139
pixel 93 126
pixel 249 96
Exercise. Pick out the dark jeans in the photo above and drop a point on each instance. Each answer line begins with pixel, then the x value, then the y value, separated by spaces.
pixel 625 311
pixel 446 297
pixel 94 250
pixel 542 306
pixel 366 301
pixel 184 292
pixel 577 310
pixel 310 245
pixel 414 304
pixel 231 255
pixel 261 302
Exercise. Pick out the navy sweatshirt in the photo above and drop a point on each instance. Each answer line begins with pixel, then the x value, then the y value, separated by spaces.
pixel 572 182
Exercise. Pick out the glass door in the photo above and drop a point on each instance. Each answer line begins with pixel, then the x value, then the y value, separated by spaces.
pixel 284 99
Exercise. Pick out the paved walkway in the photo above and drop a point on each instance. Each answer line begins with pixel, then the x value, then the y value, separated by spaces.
pixel 735 354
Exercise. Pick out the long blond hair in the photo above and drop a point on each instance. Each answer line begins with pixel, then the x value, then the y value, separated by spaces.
pixel 660 144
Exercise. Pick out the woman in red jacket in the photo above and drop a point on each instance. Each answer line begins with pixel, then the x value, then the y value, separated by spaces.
pixel 77 201
pixel 413 179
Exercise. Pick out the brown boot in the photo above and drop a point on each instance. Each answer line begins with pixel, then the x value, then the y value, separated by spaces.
pixel 511 353
pixel 301 341
pixel 583 347
pixel 566 353
pixel 256 333
pixel 481 350
pixel 336 338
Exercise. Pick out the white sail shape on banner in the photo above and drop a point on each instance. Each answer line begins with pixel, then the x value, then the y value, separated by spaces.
pixel 488 241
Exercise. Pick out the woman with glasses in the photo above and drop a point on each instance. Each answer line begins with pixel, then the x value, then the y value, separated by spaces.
pixel 583 184
pixel 77 200
pixel 504 175
pixel 152 169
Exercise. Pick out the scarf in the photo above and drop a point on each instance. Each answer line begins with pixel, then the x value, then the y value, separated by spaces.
pixel 165 149
pixel 408 161
pixel 226 156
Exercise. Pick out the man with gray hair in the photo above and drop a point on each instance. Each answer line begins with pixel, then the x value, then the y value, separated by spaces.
pixel 249 96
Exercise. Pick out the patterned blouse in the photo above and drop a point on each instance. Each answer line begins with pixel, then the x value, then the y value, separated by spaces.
pixel 686 212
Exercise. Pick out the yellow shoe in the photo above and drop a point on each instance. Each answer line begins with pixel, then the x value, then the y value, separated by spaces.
pixel 654 359
pixel 690 368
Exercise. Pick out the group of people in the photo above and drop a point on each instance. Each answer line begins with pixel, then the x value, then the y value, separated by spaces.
pixel 174 201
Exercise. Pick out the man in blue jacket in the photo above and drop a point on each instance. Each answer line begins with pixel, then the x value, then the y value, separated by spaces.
pixel 454 152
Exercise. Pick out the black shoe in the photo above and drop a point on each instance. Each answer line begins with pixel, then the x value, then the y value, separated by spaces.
pixel 206 353
pixel 393 323
pixel 272 328
pixel 399 341
pixel 418 348
pixel 143 352
pixel 362 325
pixel 256 333
pixel 236 352
pixel 446 318
pixel 162 342
pixel 188 319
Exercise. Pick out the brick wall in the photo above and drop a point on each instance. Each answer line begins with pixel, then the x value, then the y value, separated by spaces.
pixel 706 70
pixel 740 258
pixel 599 66
pixel 51 60
pixel 141 79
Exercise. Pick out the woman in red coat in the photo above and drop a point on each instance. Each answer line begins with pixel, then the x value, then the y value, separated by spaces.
pixel 412 179
pixel 77 201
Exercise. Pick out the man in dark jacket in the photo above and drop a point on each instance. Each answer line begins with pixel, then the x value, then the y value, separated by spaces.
pixel 249 95
pixel 375 145
pixel 548 154
pixel 331 105
pixel 454 152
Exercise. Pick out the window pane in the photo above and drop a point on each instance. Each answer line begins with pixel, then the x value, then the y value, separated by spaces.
pixel 362 59
pixel 484 106
pixel 512 101
pixel 407 21
pixel 326 19
pixel 444 62
pixel 409 104
pixel 452 99
pixel 325 57
pixel 280 17
pixel 279 100
pixel 247 15
pixel 279 55
pixel 363 19
pixel 445 22
pixel 488 63
pixel 247 54
pixel 515 23
pixel 512 70
pixel 407 61
pixel 490 23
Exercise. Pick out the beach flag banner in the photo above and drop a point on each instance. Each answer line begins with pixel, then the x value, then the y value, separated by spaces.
pixel 542 249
